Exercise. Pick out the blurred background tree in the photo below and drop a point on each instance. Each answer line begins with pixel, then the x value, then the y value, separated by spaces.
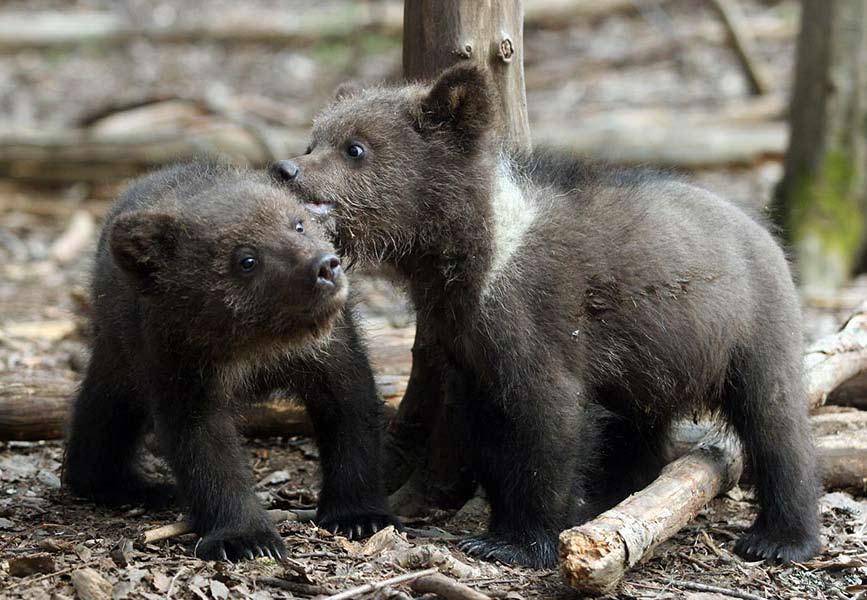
pixel 822 196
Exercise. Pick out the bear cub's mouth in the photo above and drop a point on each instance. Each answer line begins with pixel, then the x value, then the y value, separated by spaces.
pixel 317 206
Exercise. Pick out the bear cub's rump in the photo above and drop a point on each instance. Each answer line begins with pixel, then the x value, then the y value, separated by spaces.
pixel 211 287
pixel 556 291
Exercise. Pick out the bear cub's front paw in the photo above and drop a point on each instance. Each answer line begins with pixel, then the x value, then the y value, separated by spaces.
pixel 357 526
pixel 539 554
pixel 235 544
pixel 759 543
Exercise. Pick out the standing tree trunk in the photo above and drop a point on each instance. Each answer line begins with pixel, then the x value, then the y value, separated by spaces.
pixel 426 458
pixel 439 33
pixel 822 197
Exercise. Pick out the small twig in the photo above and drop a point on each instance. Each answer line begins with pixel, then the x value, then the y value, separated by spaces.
pixel 376 585
pixel 701 587
pixel 732 19
pixel 182 527
pixel 295 587
pixel 447 588
pixel 174 579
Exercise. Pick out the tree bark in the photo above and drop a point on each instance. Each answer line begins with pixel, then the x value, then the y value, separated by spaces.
pixel 439 33
pixel 821 198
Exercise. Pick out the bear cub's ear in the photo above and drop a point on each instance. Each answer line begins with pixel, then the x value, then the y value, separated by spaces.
pixel 141 241
pixel 345 90
pixel 462 98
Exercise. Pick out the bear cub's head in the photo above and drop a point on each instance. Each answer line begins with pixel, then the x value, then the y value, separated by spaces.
pixel 228 261
pixel 390 164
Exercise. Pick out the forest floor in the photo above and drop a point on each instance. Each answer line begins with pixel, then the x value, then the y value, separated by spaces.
pixel 620 64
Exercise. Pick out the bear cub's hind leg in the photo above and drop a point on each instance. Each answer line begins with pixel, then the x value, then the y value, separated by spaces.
pixel 766 406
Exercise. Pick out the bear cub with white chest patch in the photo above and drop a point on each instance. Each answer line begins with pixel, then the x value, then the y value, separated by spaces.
pixel 577 310
pixel 211 288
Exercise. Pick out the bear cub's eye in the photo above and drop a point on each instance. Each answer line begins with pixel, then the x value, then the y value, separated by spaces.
pixel 248 264
pixel 246 260
pixel 355 151
pixel 299 226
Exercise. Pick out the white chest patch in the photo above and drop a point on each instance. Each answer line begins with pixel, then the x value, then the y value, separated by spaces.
pixel 513 214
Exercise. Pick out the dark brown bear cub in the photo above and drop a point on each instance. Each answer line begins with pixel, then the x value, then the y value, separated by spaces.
pixel 212 287
pixel 578 310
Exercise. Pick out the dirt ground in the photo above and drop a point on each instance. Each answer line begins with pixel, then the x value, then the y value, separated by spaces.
pixel 644 59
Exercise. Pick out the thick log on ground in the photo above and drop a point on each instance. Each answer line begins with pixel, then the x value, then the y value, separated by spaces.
pixel 841 446
pixel 85 155
pixel 850 393
pixel 841 443
pixel 594 556
pixel 675 145
pixel 35 407
pixel 837 358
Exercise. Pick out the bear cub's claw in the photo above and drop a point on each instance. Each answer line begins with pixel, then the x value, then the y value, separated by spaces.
pixel 234 545
pixel 541 554
pixel 760 544
pixel 356 527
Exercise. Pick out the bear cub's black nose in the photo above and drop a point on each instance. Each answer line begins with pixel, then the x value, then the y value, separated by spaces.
pixel 285 170
pixel 329 269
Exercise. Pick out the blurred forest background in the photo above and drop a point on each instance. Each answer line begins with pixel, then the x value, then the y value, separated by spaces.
pixel 93 92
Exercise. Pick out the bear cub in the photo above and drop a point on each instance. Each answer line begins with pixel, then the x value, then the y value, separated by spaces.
pixel 212 287
pixel 576 310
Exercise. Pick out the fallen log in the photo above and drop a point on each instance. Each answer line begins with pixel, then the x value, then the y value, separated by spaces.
pixel 850 393
pixel 841 446
pixel 35 407
pixel 595 556
pixel 86 155
pixel 678 145
pixel 836 358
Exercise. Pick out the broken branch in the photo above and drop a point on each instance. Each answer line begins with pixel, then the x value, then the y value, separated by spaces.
pixel 595 556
